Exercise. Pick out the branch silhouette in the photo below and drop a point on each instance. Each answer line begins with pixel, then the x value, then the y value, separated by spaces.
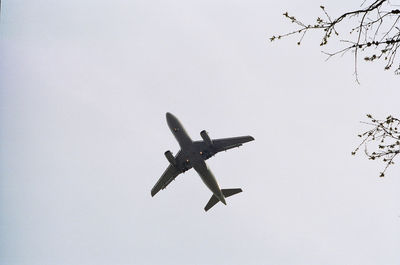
pixel 383 138
pixel 375 31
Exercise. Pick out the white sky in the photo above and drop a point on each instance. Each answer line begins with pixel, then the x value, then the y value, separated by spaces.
pixel 84 87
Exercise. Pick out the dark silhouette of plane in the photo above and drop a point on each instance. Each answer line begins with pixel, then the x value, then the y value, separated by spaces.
pixel 193 154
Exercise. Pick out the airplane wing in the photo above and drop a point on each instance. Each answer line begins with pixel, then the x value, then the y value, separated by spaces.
pixel 169 175
pixel 228 143
pixel 219 145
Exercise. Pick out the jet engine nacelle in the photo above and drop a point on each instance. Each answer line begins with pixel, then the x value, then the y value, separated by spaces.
pixel 171 159
pixel 206 138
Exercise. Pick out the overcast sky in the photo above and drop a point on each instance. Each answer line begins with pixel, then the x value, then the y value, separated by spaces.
pixel 84 88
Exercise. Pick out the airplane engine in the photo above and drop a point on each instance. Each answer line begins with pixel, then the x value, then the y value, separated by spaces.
pixel 170 158
pixel 206 138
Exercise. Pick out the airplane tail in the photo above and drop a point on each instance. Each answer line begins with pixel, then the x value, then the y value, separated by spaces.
pixel 214 200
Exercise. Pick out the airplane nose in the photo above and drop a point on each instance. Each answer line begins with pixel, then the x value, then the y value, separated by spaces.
pixel 168 115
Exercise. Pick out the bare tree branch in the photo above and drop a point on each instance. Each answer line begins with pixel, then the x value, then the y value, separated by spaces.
pixel 377 31
pixel 383 138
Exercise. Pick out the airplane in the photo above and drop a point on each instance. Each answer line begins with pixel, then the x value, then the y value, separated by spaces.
pixel 193 155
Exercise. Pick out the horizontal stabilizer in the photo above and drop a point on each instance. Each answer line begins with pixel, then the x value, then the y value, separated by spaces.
pixel 229 192
pixel 214 200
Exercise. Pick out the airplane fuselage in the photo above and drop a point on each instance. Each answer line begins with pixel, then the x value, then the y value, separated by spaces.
pixel 193 156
